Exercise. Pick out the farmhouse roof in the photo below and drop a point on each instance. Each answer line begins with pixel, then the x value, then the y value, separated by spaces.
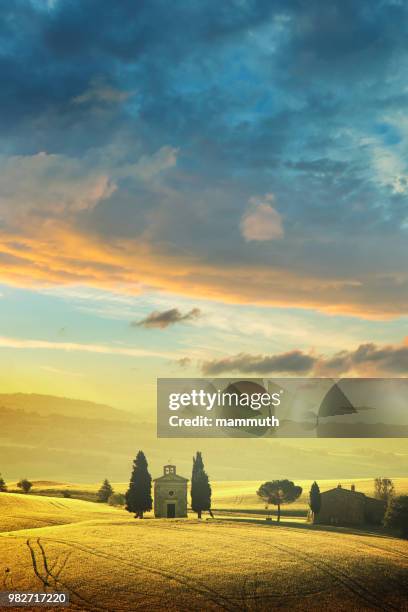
pixel 342 491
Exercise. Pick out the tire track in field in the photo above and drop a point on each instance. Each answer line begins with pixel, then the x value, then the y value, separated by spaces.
pixel 329 569
pixel 334 572
pixel 349 583
pixel 397 553
pixel 399 583
pixel 56 579
pixel 40 520
pixel 346 576
pixel 196 586
pixel 333 536
pixel 201 584
pixel 266 595
pixel 91 605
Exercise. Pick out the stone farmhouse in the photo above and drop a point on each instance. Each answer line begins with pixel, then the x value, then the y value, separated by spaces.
pixel 349 507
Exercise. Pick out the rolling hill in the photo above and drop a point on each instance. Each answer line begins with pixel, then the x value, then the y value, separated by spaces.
pixel 45 405
pixel 18 511
pixel 107 560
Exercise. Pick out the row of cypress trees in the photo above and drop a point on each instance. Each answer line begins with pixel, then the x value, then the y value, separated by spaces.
pixel 139 495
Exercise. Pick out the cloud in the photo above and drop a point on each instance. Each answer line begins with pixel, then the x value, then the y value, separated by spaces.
pixel 390 168
pixel 58 184
pixel 100 91
pixel 49 184
pixel 367 359
pixel 149 166
pixel 61 372
pixel 184 362
pixel 57 254
pixel 149 189
pixel 161 320
pixel 100 349
pixel 261 222
pixel 294 362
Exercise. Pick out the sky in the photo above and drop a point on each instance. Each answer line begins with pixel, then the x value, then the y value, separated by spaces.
pixel 201 188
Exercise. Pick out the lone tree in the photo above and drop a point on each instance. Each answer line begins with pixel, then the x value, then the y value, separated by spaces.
pixel 200 487
pixel 25 485
pixel 139 494
pixel 315 499
pixel 384 489
pixel 397 515
pixel 279 492
pixel 105 491
pixel 3 486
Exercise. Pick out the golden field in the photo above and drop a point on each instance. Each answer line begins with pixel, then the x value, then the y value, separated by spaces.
pixel 107 560
pixel 18 511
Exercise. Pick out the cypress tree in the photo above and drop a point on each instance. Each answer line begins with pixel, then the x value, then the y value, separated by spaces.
pixel 315 500
pixel 105 491
pixel 3 486
pixel 200 487
pixel 139 494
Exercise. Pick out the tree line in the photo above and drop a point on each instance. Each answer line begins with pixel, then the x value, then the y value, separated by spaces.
pixel 138 498
pixel 23 484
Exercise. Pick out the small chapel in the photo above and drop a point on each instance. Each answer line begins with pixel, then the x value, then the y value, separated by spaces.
pixel 170 494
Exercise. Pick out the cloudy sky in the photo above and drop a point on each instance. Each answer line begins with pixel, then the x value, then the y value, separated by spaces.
pixel 201 187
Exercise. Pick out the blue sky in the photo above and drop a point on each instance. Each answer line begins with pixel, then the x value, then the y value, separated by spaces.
pixel 247 158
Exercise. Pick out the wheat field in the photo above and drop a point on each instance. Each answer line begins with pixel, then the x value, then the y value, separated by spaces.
pixel 107 560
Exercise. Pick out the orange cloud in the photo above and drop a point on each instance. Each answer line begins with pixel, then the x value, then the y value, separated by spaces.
pixel 54 253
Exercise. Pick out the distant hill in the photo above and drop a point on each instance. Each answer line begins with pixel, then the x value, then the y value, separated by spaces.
pixel 46 405
pixel 52 438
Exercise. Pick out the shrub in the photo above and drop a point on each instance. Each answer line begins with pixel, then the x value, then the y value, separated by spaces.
pixel 25 485
pixel 117 499
pixel 3 486
pixel 397 515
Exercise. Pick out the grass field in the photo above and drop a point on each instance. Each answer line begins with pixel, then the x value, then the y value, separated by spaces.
pixel 18 511
pixel 109 561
